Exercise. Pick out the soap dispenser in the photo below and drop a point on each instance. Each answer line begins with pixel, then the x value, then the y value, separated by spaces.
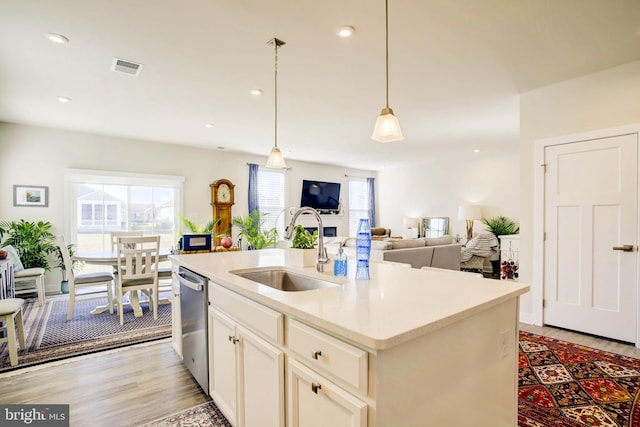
pixel 340 263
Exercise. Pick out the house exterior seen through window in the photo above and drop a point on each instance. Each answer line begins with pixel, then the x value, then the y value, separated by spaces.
pixel 106 202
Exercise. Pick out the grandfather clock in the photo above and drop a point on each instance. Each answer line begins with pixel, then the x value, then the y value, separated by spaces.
pixel 222 201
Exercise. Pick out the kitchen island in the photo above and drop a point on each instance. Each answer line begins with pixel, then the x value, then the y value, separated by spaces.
pixel 407 348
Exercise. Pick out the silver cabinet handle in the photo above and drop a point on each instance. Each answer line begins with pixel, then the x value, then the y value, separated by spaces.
pixel 315 387
pixel 624 248
pixel 316 354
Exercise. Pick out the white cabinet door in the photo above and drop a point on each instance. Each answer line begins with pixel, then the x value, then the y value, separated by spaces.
pixel 261 381
pixel 316 402
pixel 222 363
pixel 176 321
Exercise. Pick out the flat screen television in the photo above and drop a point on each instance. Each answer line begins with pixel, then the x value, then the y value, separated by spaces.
pixel 320 195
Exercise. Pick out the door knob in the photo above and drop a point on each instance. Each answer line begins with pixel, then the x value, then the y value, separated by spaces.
pixel 624 248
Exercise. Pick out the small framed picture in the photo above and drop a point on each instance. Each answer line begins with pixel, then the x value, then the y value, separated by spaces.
pixel 30 195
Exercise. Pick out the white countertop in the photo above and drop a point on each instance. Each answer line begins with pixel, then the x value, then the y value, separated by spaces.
pixel 396 305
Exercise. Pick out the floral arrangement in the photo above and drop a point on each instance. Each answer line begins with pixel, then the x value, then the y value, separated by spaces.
pixel 509 270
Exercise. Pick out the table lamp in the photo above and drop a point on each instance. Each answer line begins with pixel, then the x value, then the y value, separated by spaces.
pixel 411 224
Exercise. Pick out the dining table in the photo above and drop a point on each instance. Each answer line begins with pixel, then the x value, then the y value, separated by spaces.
pixel 110 257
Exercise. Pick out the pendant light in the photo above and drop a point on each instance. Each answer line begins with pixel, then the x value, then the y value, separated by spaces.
pixel 275 159
pixel 387 128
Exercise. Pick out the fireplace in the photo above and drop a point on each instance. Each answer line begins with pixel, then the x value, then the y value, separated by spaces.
pixel 328 231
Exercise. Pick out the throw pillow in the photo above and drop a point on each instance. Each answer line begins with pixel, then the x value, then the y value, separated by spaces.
pixel 14 257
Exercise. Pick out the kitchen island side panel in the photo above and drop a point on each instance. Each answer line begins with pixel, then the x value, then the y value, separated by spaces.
pixel 464 374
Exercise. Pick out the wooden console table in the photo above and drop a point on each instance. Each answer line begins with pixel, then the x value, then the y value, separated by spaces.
pixel 7 286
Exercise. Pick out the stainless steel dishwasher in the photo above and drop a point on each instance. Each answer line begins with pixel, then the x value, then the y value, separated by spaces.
pixel 193 312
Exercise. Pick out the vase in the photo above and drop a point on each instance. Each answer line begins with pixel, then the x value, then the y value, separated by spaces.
pixel 302 257
pixel 64 286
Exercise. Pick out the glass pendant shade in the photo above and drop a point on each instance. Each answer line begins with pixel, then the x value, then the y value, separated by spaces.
pixel 275 159
pixel 387 128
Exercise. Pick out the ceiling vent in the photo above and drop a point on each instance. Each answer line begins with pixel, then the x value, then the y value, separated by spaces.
pixel 126 67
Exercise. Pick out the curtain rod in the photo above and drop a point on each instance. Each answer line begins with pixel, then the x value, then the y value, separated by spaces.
pixel 357 176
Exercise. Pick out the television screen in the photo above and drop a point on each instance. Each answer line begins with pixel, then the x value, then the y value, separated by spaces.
pixel 320 195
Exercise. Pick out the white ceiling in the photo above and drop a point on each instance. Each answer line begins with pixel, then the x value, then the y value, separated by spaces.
pixel 456 69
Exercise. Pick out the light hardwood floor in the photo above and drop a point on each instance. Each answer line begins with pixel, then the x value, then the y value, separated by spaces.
pixel 125 387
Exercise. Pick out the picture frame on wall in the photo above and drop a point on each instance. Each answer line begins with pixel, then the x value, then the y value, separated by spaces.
pixel 31 195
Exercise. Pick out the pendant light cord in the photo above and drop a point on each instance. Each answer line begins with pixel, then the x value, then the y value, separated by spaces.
pixel 275 109
pixel 386 41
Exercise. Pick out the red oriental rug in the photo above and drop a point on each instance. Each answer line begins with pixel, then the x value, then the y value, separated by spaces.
pixel 566 384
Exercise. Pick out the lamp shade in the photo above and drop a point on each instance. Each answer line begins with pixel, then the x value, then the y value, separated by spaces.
pixel 466 212
pixel 275 159
pixel 387 128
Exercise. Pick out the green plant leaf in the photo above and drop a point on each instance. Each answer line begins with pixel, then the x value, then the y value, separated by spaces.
pixel 33 241
pixel 302 239
pixel 501 225
pixel 249 228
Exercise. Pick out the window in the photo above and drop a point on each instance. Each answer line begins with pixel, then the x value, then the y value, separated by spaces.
pixel 100 202
pixel 271 199
pixel 358 202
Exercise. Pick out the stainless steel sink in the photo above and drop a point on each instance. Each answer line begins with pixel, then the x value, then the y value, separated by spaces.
pixel 284 280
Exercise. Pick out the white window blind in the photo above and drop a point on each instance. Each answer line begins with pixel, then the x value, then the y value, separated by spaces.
pixel 358 202
pixel 271 199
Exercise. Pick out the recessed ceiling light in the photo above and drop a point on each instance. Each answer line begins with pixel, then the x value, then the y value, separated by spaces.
pixel 256 92
pixel 477 150
pixel 64 99
pixel 209 125
pixel 345 31
pixel 57 38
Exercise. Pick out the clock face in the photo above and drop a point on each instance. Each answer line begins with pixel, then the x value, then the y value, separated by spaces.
pixel 224 194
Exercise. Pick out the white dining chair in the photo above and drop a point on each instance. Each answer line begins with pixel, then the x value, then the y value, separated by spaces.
pixel 11 321
pixel 77 281
pixel 137 270
pixel 116 234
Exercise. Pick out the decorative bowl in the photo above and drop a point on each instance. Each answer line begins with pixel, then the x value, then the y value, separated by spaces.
pixel 3 254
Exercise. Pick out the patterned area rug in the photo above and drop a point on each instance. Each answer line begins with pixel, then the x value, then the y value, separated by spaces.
pixel 204 415
pixel 49 336
pixel 566 384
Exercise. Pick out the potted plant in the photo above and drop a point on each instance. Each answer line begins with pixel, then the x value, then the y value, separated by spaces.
pixel 208 228
pixel 64 283
pixel 33 241
pixel 303 244
pixel 250 228
pixel 500 226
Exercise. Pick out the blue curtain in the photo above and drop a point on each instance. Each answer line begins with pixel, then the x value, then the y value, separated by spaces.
pixel 372 201
pixel 253 188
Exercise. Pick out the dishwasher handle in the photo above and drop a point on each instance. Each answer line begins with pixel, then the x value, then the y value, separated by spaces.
pixel 187 280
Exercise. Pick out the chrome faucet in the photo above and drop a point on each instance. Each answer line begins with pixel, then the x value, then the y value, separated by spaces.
pixel 322 252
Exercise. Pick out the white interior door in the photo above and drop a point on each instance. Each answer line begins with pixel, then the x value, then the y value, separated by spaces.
pixel 591 208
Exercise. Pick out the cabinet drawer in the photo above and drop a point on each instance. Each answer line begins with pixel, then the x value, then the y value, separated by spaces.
pixel 324 352
pixel 260 319
pixel 313 401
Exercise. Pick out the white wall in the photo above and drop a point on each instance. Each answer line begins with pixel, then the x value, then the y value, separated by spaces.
pixel 601 100
pixel 38 156
pixel 438 185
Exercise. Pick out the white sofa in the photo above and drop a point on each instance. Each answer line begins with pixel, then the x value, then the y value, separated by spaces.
pixel 438 252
